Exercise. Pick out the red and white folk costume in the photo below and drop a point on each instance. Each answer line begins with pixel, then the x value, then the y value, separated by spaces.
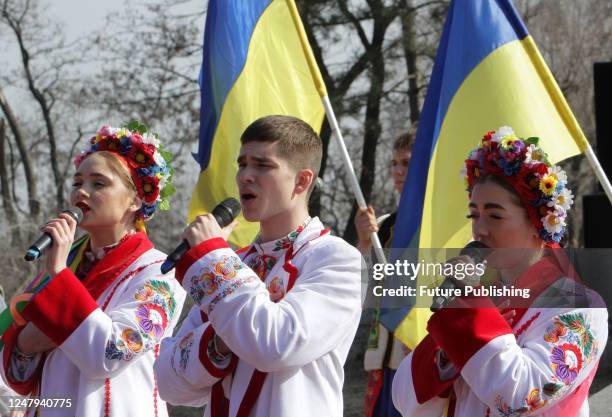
pixel 541 365
pixel 107 328
pixel 108 317
pixel 473 363
pixel 288 310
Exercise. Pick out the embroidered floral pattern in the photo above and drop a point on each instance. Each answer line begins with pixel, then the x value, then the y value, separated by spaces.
pixel 198 291
pixel 572 347
pixel 287 241
pixel 227 267
pixel 152 317
pixel 185 350
pixel 572 343
pixel 132 340
pixel 228 289
pixel 220 276
pixel 118 351
pixel 261 264
pixel 276 289
pixel 566 362
pixel 209 281
pixel 152 320
pixel 533 402
pixel 157 292
pixel 554 332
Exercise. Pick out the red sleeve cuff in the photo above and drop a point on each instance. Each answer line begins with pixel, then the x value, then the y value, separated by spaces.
pixel 60 307
pixel 196 253
pixel 425 373
pixel 10 341
pixel 461 331
pixel 209 333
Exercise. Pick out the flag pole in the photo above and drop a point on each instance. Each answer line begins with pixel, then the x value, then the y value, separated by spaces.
pixel 599 172
pixel 567 116
pixel 333 122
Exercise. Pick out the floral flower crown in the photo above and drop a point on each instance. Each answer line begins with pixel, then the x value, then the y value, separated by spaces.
pixel 148 162
pixel 520 162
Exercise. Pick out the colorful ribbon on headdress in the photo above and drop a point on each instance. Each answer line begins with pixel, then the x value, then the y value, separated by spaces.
pixel 12 314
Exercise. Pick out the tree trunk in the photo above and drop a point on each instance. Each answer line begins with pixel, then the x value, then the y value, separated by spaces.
pixel 45 108
pixel 7 203
pixel 409 45
pixel 370 139
pixel 33 203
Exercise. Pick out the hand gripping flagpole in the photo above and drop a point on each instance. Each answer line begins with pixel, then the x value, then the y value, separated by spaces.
pixel 333 122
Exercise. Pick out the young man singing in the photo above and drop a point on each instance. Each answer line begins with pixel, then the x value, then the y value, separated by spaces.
pixel 272 323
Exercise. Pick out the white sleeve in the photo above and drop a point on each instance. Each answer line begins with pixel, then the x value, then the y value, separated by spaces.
pixel 144 310
pixel 558 350
pixel 405 398
pixel 548 367
pixel 310 321
pixel 184 376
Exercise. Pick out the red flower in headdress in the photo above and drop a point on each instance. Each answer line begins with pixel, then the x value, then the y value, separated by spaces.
pixel 109 143
pixel 148 188
pixel 140 155
pixel 488 135
pixel 473 172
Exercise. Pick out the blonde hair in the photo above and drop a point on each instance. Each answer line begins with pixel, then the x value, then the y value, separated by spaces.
pixel 119 167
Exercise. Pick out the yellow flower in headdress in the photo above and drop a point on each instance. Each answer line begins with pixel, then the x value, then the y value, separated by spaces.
pixel 508 140
pixel 548 183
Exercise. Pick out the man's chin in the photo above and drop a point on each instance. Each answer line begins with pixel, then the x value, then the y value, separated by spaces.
pixel 251 216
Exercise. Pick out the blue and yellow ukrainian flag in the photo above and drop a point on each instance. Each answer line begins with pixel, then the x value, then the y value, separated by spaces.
pixel 488 73
pixel 256 62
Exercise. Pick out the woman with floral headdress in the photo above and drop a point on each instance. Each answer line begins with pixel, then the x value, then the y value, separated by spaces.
pixel 505 355
pixel 89 337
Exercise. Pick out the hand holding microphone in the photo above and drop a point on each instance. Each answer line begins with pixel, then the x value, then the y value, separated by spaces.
pixel 56 240
pixel 219 223
pixel 73 215
pixel 474 252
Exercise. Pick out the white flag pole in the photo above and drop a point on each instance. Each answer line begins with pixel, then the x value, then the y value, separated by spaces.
pixel 599 172
pixel 331 117
pixel 333 122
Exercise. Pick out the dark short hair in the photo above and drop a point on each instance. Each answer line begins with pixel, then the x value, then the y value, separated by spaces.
pixel 297 142
pixel 492 178
pixel 405 141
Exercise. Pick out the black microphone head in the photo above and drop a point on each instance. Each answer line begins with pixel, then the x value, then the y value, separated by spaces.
pixel 226 211
pixel 36 249
pixel 76 213
pixel 476 250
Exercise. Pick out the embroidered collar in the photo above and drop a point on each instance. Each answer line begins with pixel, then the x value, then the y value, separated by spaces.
pixel 262 256
pixel 276 248
pixel 95 254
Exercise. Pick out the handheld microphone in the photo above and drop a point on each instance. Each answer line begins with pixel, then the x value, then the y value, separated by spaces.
pixel 45 240
pixel 224 213
pixel 476 252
